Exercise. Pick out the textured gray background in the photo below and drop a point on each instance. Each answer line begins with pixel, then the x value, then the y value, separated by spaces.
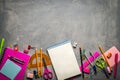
pixel 44 22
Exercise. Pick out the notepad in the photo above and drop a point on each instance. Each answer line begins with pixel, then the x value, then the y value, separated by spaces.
pixel 10 69
pixel 63 60
pixel 111 58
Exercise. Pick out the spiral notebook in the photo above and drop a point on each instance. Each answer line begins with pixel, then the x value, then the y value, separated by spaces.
pixel 64 60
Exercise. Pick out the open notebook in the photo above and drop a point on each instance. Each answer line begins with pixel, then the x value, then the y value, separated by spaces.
pixel 63 60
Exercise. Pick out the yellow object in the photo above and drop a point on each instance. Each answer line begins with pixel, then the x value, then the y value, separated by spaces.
pixel 38 63
pixel 41 58
pixel 102 51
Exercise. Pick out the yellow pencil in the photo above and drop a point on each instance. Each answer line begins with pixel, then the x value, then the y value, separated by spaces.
pixel 38 69
pixel 41 59
pixel 102 51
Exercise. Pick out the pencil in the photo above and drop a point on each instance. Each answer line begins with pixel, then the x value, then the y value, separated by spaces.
pixel 102 51
pixel 115 67
pixel 41 59
pixel 38 69
pixel 81 63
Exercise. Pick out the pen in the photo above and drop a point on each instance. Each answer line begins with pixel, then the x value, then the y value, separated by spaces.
pixel 81 62
pixel 93 66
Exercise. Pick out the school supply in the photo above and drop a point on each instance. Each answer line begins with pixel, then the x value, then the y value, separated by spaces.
pixel 93 66
pixel 47 73
pixel 110 56
pixel 30 75
pixel 105 58
pixel 86 63
pixel 81 62
pixel 34 65
pixel 16 60
pixel 100 63
pixel 1 47
pixel 10 69
pixel 17 56
pixel 115 67
pixel 63 60
pixel 37 64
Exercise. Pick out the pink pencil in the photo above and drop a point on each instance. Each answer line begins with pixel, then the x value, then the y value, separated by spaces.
pixel 115 67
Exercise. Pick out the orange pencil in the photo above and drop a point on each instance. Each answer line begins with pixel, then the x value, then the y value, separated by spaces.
pixel 102 51
pixel 41 59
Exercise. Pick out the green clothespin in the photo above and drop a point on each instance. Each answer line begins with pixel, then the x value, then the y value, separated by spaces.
pixel 1 45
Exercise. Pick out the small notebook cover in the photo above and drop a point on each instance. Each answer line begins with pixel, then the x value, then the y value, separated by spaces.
pixel 10 69
pixel 113 50
pixel 63 60
pixel 20 55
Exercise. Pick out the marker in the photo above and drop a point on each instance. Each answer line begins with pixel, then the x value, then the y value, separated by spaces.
pixel 81 62
pixel 1 45
pixel 115 67
pixel 102 51
pixel 16 60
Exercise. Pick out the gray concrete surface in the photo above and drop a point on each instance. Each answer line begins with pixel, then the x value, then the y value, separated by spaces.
pixel 44 22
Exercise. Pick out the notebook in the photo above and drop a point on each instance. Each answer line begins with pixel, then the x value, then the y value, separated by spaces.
pixel 63 60
pixel 10 69
pixel 21 68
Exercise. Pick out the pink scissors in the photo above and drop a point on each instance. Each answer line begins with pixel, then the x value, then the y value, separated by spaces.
pixel 47 73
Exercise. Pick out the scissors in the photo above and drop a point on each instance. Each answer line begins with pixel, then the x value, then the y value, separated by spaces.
pixel 100 63
pixel 47 73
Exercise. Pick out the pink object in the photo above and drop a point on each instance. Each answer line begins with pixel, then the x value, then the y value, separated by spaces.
pixel 115 67
pixel 86 63
pixel 22 56
pixel 111 59
pixel 30 75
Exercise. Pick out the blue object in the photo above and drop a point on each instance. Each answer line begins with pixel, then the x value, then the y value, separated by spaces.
pixel 10 69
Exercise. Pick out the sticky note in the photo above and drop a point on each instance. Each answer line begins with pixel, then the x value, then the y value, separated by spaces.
pixel 10 69
pixel 110 55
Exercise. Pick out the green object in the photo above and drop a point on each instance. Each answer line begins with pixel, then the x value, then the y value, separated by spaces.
pixel 1 45
pixel 100 63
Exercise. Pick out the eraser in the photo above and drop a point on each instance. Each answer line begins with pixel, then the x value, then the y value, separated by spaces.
pixel 30 75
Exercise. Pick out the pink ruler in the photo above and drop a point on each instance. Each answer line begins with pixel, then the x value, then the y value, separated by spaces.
pixel 86 63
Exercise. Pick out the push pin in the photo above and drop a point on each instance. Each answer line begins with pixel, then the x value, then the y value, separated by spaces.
pixel 26 51
pixel 30 47
pixel 16 48
pixel 74 44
